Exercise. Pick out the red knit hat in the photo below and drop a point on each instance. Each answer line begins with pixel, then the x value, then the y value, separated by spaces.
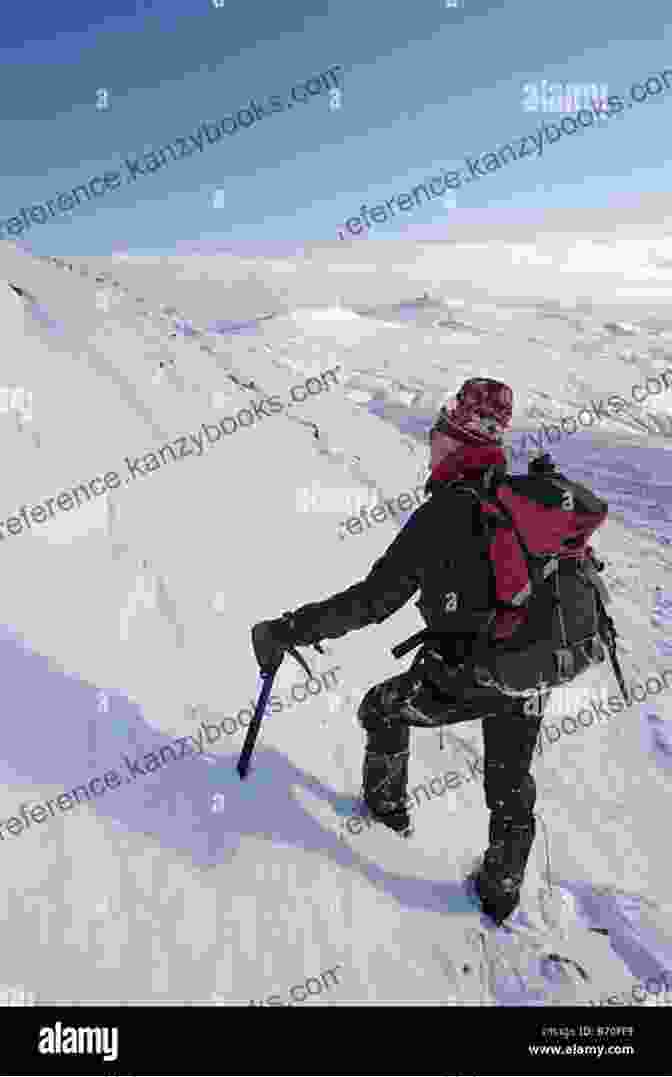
pixel 477 421
pixel 481 413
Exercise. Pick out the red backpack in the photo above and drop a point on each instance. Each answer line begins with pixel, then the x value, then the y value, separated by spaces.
pixel 538 620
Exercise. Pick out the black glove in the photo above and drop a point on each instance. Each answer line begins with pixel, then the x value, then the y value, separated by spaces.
pixel 271 640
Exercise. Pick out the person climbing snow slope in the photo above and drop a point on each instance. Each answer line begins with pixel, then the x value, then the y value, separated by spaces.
pixel 509 596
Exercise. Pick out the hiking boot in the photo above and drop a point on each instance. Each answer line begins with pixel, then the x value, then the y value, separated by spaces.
pixel 499 881
pixel 398 821
pixel 499 894
pixel 384 792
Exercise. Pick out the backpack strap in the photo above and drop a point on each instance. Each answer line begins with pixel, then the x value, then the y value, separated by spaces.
pixel 482 493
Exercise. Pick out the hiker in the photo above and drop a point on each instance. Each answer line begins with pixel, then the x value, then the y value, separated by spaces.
pixel 505 622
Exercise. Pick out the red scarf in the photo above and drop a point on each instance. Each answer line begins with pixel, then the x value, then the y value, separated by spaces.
pixel 470 461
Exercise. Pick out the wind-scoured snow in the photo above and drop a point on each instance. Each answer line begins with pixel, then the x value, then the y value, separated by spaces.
pixel 127 624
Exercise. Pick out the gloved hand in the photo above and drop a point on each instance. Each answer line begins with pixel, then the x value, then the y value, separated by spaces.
pixel 271 640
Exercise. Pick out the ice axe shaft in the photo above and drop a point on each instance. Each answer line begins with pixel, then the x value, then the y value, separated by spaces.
pixel 243 764
pixel 253 729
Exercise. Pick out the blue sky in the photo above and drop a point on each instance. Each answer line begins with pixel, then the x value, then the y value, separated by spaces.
pixel 422 87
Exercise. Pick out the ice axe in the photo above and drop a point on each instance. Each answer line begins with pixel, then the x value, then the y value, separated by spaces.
pixel 243 764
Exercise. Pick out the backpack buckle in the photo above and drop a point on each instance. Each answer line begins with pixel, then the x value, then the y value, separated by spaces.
pixel 564 661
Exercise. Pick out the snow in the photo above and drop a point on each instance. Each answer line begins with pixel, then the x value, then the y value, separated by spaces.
pixel 127 626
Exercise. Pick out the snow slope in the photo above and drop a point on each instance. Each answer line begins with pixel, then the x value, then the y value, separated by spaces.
pixel 187 884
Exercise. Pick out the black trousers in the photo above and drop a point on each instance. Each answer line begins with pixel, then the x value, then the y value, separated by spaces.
pixel 389 710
